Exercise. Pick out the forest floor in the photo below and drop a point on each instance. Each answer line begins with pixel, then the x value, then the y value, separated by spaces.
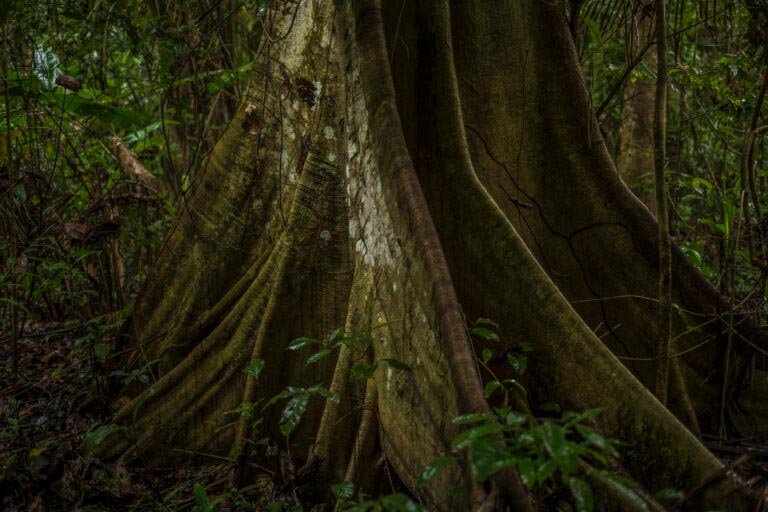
pixel 54 404
pixel 51 407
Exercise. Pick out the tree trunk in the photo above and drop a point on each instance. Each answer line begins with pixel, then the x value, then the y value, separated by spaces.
pixel 635 157
pixel 386 190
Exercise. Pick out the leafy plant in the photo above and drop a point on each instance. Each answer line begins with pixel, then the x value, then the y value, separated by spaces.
pixel 546 452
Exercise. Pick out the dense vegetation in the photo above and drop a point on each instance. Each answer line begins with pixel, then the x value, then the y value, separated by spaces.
pixel 80 227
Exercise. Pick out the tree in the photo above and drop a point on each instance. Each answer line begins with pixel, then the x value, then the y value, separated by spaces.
pixel 635 159
pixel 390 191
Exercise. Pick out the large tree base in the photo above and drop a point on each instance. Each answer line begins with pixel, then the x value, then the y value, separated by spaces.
pixel 379 190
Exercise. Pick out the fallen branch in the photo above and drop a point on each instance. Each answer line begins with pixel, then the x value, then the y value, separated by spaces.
pixel 133 169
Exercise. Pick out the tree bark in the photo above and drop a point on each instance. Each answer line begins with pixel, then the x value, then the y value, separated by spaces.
pixel 380 190
pixel 635 157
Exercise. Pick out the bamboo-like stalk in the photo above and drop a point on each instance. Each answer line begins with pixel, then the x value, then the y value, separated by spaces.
pixel 662 210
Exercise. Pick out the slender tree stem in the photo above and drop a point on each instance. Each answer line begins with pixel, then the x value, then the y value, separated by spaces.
pixel 662 210
pixel 12 181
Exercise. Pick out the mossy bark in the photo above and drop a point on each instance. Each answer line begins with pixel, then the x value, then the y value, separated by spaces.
pixel 379 189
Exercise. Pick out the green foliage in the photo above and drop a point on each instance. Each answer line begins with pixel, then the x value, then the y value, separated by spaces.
pixel 78 234
pixel 714 75
pixel 327 345
pixel 396 502
pixel 546 452
pixel 95 436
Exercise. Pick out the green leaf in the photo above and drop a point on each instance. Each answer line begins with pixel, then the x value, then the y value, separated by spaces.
pixel 484 333
pixel 527 472
pixel 363 370
pixel 490 387
pixel 574 418
pixel 473 418
pixel 487 321
pixel 669 494
pixel 339 331
pixel 100 350
pixel 553 437
pixel 513 418
pixel 276 506
pixel 488 459
pixel 594 31
pixel 546 470
pixel 399 502
pixel 293 413
pixel 433 470
pixel 596 439
pixel 550 407
pixel 398 365
pixel 318 355
pixel 318 389
pixel 469 436
pixel 255 368
pixel 582 495
pixel 301 343
pixel 343 490
pixel 487 355
pixel 94 437
pixel 515 383
pixel 45 65
pixel 518 362
pixel 201 498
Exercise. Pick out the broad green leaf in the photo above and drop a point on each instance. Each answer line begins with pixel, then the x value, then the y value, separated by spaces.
pixel 254 369
pixel 318 355
pixel 515 418
pixel 490 387
pixel 45 65
pixel 399 502
pixel 487 321
pixel 553 437
pixel 546 470
pixel 469 436
pixel 318 389
pixel 574 418
pixel 302 342
pixel 343 490
pixel 596 439
pixel 338 332
pixel 518 362
pixel 433 470
pixel 201 498
pixel 527 472
pixel 293 413
pixel 487 355
pixel 363 370
pixel 94 437
pixel 484 333
pixel 669 494
pixel 473 418
pixel 582 495
pixel 488 459
pixel 550 407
